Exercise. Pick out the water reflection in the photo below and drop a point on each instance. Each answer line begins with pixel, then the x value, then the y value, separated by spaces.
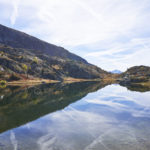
pixel 136 87
pixel 112 118
pixel 19 106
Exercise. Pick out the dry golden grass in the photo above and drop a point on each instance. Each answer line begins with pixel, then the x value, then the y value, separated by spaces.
pixel 71 80
pixel 35 81
pixel 105 80
pixel 57 67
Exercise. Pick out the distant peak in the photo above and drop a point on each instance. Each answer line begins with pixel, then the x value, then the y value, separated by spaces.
pixel 116 71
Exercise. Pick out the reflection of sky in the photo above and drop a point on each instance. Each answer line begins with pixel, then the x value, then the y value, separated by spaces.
pixel 112 118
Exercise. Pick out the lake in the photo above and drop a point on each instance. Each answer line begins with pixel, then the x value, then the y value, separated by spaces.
pixel 77 116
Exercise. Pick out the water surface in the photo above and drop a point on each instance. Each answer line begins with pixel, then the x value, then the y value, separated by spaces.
pixel 79 116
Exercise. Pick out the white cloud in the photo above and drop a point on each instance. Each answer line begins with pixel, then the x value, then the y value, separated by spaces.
pixel 123 55
pixel 80 22
pixel 13 140
pixel 14 15
pixel 110 26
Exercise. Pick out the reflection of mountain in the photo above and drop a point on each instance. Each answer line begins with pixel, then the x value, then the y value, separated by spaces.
pixel 136 87
pixel 20 107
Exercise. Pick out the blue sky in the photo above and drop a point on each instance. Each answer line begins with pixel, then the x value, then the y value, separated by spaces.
pixel 112 34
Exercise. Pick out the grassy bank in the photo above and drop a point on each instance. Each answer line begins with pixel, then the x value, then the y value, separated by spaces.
pixel 36 81
pixel 31 82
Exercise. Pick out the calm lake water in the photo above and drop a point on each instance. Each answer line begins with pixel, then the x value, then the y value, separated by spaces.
pixel 79 116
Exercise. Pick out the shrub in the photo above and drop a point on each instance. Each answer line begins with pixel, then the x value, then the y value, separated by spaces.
pixel 25 67
pixel 2 83
pixel 35 60
pixel 14 77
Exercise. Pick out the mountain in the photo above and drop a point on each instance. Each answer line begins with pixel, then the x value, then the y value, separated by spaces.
pixel 22 54
pixel 137 71
pixel 136 74
pixel 116 72
pixel 17 39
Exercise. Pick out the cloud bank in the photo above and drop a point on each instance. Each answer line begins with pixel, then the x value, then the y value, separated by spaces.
pixel 111 34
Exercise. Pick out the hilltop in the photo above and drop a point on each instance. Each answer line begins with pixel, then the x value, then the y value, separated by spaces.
pixel 137 75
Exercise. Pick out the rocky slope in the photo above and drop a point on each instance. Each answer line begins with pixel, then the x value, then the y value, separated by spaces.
pixel 17 39
pixel 136 74
pixel 22 54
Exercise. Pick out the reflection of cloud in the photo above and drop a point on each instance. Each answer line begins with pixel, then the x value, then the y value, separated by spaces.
pixel 68 125
pixel 98 141
pixel 94 125
pixel 108 103
pixel 28 126
pixel 109 119
pixel 2 96
pixel 122 100
pixel 46 142
pixel 13 140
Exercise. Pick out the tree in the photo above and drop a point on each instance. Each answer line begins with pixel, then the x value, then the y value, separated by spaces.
pixel 3 83
pixel 35 60
pixel 25 68
pixel 1 53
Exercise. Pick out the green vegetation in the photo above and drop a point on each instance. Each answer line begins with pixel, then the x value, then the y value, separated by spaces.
pixel 136 76
pixel 2 83
pixel 25 68
pixel 1 53
pixel 39 65
pixel 35 60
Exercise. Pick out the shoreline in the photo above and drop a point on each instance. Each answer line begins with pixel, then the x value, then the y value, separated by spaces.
pixel 32 82
pixel 38 81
